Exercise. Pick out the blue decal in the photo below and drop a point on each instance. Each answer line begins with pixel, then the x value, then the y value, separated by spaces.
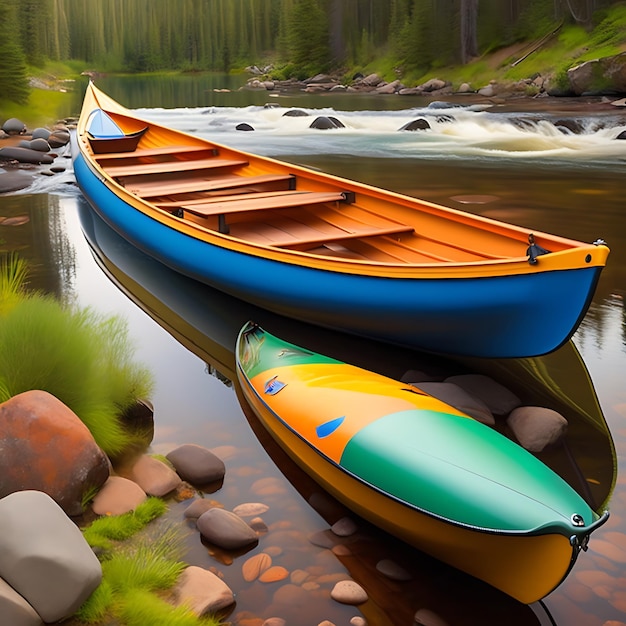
pixel 328 428
pixel 273 386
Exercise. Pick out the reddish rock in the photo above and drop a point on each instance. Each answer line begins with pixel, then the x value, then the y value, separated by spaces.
pixel 45 447
pixel 118 496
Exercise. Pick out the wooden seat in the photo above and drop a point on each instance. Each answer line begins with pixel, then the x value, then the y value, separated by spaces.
pixel 165 167
pixel 157 188
pixel 269 200
pixel 260 202
pixel 152 152
pixel 339 236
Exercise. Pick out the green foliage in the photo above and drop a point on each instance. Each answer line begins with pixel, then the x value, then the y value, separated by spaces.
pixel 13 279
pixel 121 527
pixel 139 607
pixel 80 357
pixel 136 572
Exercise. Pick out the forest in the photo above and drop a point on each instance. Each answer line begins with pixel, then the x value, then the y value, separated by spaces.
pixel 299 38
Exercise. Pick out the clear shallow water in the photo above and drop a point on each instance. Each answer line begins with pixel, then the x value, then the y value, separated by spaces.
pixel 567 185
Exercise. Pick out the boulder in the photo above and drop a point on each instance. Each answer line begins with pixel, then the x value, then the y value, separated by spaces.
pixel 41 133
pixel 45 557
pixel 418 124
pixel 40 144
pixel 225 529
pixel 14 610
pixel 14 180
pixel 44 446
pixel 13 126
pixel 599 76
pixel 196 464
pixel 24 155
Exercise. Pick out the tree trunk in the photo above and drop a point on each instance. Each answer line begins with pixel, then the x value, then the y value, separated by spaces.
pixel 469 42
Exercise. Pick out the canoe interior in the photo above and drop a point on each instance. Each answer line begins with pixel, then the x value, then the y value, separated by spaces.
pixel 269 203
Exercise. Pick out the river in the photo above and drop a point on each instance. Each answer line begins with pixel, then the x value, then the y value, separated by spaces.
pixel 513 161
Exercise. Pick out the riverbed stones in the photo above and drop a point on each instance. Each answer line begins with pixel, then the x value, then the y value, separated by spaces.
pixel 392 570
pixel 25 155
pixel 196 464
pixel 45 557
pixel 14 610
pixel 225 529
pixel 202 591
pixel 537 427
pixel 13 126
pixel 255 566
pixel 46 447
pixel 200 506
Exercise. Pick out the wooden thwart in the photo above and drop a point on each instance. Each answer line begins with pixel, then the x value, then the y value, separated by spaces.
pixel 157 188
pixel 278 200
pixel 172 166
pixel 339 236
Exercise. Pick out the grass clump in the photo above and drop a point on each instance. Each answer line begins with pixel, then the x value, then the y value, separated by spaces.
pixel 105 529
pixel 137 576
pixel 79 356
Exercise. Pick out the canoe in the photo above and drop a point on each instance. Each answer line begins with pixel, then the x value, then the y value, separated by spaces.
pixel 417 467
pixel 333 252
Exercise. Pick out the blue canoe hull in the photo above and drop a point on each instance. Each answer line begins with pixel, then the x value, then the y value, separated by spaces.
pixel 419 313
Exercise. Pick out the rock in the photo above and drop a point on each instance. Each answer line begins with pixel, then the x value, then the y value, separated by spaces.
pixel 324 123
pixel 274 621
pixel 154 476
pixel 202 591
pixel 606 76
pixel 344 527
pixel 24 155
pixel 250 509
pixel 434 84
pixel 464 88
pixel 497 397
pixel 273 574
pixel 118 496
pixel 389 88
pixel 243 126
pixel 14 610
pixel 295 113
pixel 45 447
pixel 536 427
pixel 418 124
pixel 59 138
pixel 357 620
pixel 372 80
pixel 14 180
pixel 140 419
pixel 45 557
pixel 41 133
pixel 460 399
pixel 255 566
pixel 348 592
pixel 196 464
pixel 392 570
pixel 13 126
pixel 41 145
pixel 225 529
pixel 198 507
pixel 622 135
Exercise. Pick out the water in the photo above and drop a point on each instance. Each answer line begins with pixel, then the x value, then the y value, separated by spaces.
pixel 484 161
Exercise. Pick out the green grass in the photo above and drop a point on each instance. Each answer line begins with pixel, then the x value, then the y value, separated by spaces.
pixel 136 575
pixel 106 529
pixel 79 356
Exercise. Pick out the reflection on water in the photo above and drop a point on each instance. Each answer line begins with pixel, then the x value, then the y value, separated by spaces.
pixel 193 338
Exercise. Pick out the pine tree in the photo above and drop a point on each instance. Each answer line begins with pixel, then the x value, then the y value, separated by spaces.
pixel 13 79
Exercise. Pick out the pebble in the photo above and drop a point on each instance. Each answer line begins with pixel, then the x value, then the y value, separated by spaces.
pixel 344 527
pixel 250 509
pixel 255 566
pixel 357 620
pixel 274 574
pixel 392 570
pixel 200 506
pixel 348 592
